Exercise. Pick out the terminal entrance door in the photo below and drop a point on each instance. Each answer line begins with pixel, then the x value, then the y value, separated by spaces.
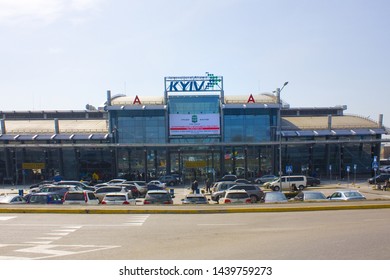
pixel 198 165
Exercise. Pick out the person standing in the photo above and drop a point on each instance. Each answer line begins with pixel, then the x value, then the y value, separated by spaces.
pixel 194 186
pixel 208 185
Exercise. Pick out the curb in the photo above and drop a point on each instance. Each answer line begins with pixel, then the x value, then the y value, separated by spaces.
pixel 195 211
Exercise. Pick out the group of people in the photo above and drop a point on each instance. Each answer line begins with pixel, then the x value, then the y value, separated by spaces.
pixel 195 185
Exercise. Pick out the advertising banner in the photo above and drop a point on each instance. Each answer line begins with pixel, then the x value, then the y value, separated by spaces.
pixel 194 124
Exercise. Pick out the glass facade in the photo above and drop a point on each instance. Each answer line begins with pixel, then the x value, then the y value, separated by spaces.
pixel 141 126
pixel 194 104
pixel 247 125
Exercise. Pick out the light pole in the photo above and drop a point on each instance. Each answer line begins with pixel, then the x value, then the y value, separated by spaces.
pixel 278 91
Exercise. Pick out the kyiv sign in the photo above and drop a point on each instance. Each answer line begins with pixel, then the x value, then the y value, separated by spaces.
pixel 202 83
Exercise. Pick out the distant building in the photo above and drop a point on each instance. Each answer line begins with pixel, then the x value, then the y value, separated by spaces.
pixel 194 130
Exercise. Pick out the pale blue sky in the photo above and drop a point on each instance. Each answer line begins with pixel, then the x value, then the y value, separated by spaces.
pixel 64 54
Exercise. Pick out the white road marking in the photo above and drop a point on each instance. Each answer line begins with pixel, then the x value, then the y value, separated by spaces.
pixel 6 218
pixel 58 233
pixel 206 225
pixel 38 242
pixel 50 238
pixel 136 220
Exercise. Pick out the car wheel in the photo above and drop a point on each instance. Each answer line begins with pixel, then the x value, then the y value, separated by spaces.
pixel 253 198
pixel 171 184
pixel 300 187
pixel 276 188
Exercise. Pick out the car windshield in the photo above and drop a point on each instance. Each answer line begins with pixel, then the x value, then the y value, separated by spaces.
pixel 75 196
pixel 352 194
pixel 115 198
pixel 237 195
pixel 158 195
pixel 275 197
pixel 314 196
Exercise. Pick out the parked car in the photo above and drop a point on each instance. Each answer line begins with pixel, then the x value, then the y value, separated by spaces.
pixel 116 181
pixel 131 188
pixel 12 199
pixel 141 186
pixel 154 188
pixel 385 169
pixel 312 181
pixel 229 177
pixel 44 198
pixel 81 197
pixel 157 183
pixel 158 197
pixel 195 199
pixel 254 192
pixel 290 183
pixel 235 197
pixel 61 190
pixel 168 180
pixel 265 179
pixel 120 198
pixel 101 192
pixel 381 178
pixel 81 185
pixel 274 197
pixel 42 183
pixel 310 196
pixel 242 181
pixel 222 186
pixel 346 195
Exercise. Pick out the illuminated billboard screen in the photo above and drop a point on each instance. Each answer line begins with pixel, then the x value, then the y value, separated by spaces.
pixel 194 124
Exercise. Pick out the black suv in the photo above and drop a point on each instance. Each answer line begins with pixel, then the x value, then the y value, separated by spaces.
pixel 381 178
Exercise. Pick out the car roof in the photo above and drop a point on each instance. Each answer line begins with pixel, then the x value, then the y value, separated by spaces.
pixel 346 191
pixel 236 191
pixel 117 193
pixel 9 195
pixel 83 191
pixel 157 191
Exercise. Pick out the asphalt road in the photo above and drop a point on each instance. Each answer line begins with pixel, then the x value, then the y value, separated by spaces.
pixel 323 235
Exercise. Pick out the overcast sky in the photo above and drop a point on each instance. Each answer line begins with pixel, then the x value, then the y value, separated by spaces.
pixel 64 54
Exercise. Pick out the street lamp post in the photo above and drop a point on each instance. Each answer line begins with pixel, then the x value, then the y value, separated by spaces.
pixel 278 91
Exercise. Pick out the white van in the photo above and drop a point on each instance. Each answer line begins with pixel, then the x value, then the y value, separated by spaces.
pixel 290 183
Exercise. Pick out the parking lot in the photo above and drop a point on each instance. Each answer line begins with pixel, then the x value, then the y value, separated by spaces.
pixel 180 192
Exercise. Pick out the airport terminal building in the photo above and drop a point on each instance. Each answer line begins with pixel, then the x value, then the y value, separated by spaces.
pixel 193 129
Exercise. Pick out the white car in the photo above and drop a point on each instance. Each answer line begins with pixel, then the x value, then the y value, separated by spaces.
pixel 385 169
pixel 80 197
pixel 119 198
pixel 235 196
pixel 157 183
pixel 12 199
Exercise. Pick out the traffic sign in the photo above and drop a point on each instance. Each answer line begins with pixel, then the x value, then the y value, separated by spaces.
pixel 289 169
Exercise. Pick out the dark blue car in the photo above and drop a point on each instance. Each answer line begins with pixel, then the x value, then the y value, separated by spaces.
pixel 44 198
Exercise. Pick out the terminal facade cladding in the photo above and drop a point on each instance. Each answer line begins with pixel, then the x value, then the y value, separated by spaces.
pixel 193 130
